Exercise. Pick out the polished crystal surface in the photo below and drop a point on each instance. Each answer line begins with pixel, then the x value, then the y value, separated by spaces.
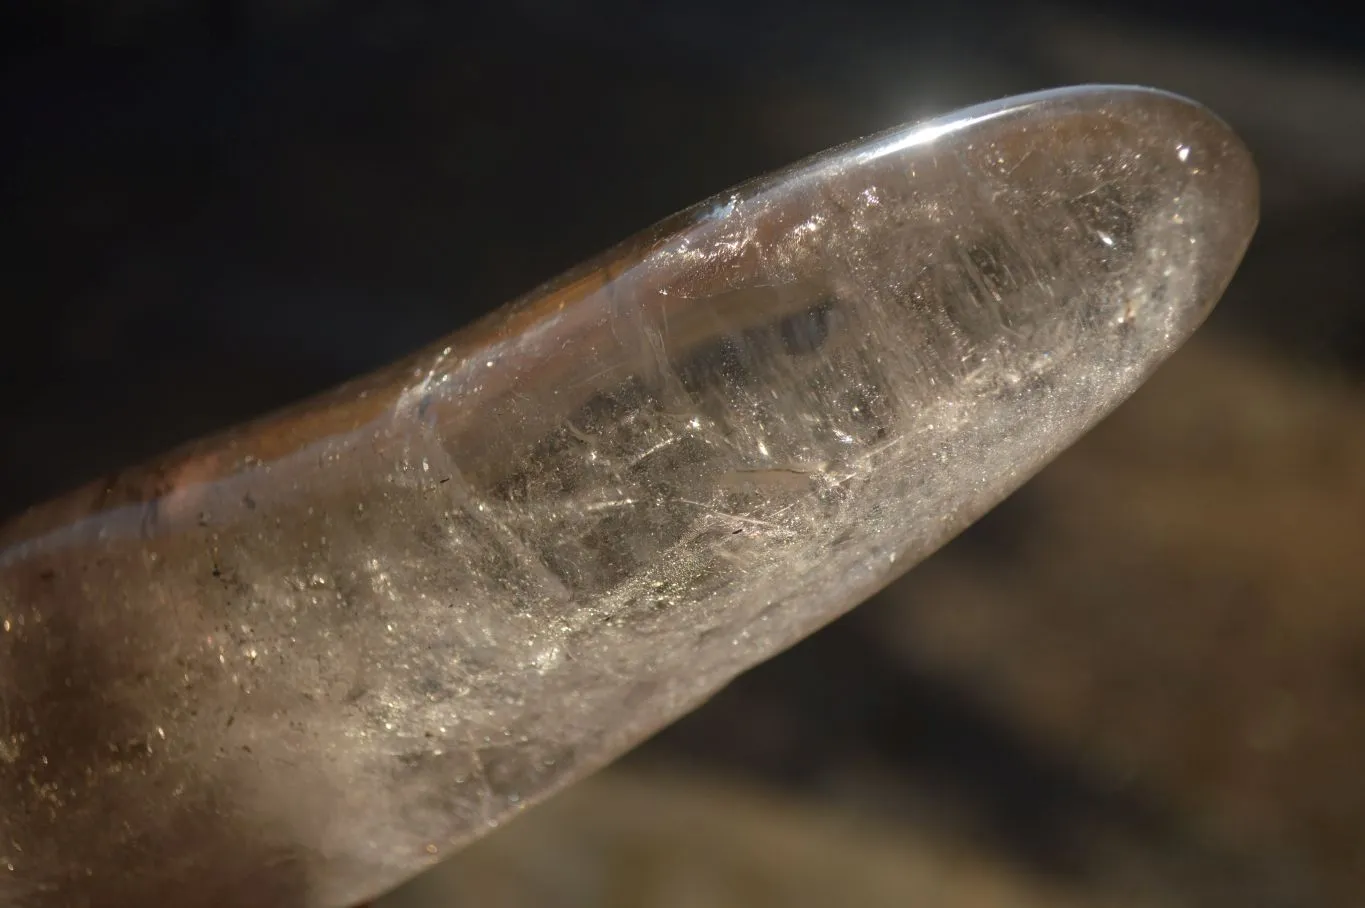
pixel 298 662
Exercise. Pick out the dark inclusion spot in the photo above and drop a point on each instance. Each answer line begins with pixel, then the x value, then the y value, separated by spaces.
pixel 807 331
pixel 990 267
pixel 424 406
pixel 431 687
pixel 731 358
pixel 1107 210
pixel 603 413
pixel 722 358
pixel 673 464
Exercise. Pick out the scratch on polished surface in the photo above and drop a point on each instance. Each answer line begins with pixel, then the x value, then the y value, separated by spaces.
pixel 306 658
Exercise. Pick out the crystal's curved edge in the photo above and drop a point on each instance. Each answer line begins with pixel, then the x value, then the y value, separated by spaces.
pixel 946 125
pixel 920 132
pixel 862 150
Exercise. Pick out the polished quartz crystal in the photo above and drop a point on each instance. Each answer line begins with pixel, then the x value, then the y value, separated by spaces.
pixel 297 662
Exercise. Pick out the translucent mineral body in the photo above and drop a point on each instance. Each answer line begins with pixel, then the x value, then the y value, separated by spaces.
pixel 295 663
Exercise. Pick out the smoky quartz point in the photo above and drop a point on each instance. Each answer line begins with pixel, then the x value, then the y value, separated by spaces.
pixel 297 662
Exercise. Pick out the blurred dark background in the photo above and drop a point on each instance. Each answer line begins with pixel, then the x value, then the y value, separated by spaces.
pixel 1140 681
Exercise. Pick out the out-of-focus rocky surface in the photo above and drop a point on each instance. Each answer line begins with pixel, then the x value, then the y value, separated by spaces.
pixel 1139 682
pixel 676 840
